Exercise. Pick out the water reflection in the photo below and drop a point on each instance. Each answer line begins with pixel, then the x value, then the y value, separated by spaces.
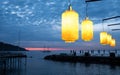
pixel 12 63
pixel 38 66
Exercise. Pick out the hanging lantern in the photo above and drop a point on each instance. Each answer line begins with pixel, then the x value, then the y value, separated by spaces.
pixel 113 43
pixel 109 37
pixel 70 25
pixel 87 30
pixel 103 38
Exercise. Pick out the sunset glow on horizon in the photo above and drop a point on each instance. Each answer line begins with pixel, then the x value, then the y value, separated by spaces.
pixel 43 49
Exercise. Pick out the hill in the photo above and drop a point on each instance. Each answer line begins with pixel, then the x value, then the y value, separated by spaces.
pixel 9 47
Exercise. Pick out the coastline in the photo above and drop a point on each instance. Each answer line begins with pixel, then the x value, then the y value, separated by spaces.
pixel 110 60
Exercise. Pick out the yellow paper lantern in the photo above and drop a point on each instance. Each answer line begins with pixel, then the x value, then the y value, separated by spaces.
pixel 113 43
pixel 70 25
pixel 109 37
pixel 87 30
pixel 103 38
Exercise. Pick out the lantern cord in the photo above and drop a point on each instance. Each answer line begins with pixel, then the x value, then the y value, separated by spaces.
pixel 86 1
pixel 86 9
pixel 102 25
pixel 108 29
pixel 69 4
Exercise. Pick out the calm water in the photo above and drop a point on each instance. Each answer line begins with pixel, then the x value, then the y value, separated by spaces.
pixel 38 66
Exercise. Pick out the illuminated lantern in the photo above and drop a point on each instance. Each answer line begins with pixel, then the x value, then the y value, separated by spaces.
pixel 87 30
pixel 70 25
pixel 103 38
pixel 113 43
pixel 109 37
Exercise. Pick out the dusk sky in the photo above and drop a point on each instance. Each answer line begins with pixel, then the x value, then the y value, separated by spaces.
pixel 37 23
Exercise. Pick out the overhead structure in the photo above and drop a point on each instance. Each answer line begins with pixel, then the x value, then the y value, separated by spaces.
pixel 91 0
pixel 114 24
pixel 115 29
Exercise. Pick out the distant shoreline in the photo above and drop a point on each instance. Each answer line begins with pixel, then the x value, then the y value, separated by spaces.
pixel 110 60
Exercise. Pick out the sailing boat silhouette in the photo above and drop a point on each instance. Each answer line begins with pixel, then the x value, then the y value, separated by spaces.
pixel 46 49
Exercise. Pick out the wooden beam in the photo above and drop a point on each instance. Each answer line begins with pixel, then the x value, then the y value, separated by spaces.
pixel 92 0
pixel 111 18
pixel 114 24
pixel 115 29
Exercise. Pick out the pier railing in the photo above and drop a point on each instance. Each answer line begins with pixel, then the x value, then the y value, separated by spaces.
pixel 11 61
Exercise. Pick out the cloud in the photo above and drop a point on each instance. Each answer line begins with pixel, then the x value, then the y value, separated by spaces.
pixel 40 21
pixel 5 2
pixel 50 3
pixel 56 27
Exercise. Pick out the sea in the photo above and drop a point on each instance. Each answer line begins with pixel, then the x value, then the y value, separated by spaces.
pixel 35 64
